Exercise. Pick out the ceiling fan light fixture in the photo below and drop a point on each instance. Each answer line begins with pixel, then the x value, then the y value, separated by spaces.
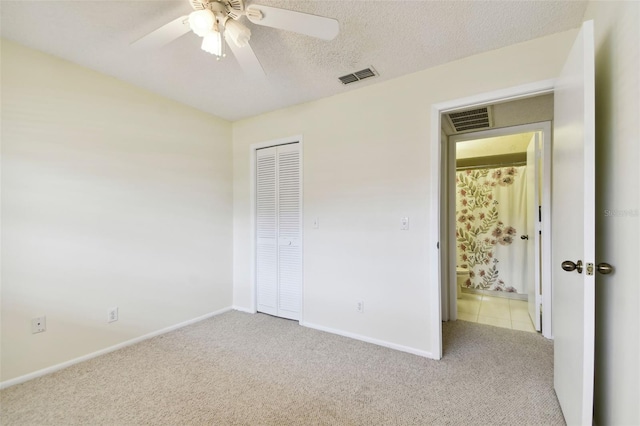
pixel 238 33
pixel 202 21
pixel 210 17
pixel 212 43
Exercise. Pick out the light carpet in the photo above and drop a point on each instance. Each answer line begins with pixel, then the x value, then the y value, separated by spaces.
pixel 243 369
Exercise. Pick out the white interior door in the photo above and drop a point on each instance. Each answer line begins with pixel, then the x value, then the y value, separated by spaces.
pixel 289 232
pixel 533 230
pixel 279 231
pixel 573 231
pixel 266 231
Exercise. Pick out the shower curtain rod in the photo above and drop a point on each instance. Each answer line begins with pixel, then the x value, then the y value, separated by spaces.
pixel 490 166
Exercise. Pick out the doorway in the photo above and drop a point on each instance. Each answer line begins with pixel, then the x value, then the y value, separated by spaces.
pixel 442 164
pixel 495 189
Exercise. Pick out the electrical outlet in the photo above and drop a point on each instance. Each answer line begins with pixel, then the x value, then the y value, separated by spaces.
pixel 38 325
pixel 112 314
pixel 404 223
pixel 316 222
pixel 360 306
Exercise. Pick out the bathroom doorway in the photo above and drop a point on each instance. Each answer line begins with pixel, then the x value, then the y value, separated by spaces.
pixel 498 197
pixel 496 205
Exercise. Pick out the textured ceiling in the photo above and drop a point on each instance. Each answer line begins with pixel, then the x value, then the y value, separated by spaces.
pixel 396 37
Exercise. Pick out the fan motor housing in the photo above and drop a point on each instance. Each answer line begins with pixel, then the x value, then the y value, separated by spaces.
pixel 233 8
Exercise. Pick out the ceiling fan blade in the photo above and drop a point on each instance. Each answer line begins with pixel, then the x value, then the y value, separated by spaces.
pixel 164 34
pixel 301 23
pixel 248 60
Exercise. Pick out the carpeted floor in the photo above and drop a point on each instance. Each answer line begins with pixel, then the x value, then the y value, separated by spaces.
pixel 243 369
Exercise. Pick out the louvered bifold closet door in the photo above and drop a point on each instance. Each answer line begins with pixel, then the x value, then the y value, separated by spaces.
pixel 266 231
pixel 289 214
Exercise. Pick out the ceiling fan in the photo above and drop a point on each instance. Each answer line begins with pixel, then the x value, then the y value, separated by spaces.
pixel 218 21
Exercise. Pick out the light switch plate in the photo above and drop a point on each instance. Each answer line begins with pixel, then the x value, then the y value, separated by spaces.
pixel 404 223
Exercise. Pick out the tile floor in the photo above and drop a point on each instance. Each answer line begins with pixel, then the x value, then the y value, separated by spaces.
pixel 496 311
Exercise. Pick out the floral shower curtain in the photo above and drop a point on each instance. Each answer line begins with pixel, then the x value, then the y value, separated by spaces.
pixel 491 214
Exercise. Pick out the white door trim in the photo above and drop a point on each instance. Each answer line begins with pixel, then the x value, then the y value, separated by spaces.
pixel 438 247
pixel 545 128
pixel 252 197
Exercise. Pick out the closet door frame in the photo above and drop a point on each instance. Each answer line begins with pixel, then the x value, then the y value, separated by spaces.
pixel 253 205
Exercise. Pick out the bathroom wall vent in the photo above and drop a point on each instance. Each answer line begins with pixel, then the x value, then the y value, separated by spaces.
pixel 358 75
pixel 471 120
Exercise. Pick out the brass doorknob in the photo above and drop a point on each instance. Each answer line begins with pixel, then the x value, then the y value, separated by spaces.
pixel 569 266
pixel 604 268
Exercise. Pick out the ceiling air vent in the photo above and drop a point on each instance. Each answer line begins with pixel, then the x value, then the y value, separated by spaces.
pixel 358 75
pixel 473 119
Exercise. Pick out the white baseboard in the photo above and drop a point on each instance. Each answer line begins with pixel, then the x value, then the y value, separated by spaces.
pixel 243 309
pixel 378 342
pixel 57 367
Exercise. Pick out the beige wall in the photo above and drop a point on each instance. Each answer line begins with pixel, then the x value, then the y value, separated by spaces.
pixel 617 31
pixel 366 165
pixel 510 144
pixel 111 196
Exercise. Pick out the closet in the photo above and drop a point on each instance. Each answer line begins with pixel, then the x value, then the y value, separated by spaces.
pixel 279 230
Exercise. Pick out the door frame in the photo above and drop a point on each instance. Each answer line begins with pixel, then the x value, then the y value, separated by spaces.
pixel 448 185
pixel 438 272
pixel 252 230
